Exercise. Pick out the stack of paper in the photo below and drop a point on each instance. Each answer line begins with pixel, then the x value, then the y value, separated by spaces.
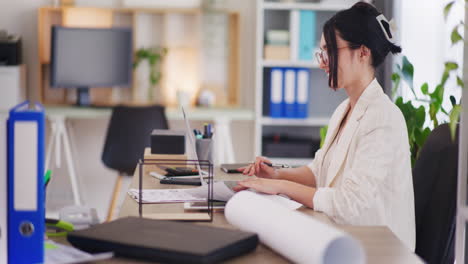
pixel 164 196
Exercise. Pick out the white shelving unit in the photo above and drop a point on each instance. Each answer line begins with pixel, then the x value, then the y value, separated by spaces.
pixel 320 6
pixel 323 101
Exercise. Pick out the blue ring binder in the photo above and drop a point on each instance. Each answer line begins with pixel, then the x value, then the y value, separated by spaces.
pixel 25 166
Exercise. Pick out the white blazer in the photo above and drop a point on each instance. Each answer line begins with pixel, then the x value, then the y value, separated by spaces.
pixel 369 180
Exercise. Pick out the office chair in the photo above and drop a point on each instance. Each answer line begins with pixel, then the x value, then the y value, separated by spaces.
pixel 435 193
pixel 127 136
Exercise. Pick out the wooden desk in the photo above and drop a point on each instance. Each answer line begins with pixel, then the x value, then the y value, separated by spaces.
pixel 380 244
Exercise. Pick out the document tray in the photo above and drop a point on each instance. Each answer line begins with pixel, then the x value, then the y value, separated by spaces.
pixel 164 241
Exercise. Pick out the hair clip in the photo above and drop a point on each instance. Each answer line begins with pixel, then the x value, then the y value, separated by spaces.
pixel 388 28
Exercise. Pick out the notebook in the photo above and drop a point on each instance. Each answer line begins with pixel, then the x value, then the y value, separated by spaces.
pixel 164 241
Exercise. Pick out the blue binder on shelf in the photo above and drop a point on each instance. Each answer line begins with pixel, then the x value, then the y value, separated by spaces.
pixel 289 93
pixel 3 191
pixel 307 26
pixel 276 92
pixel 302 95
pixel 25 157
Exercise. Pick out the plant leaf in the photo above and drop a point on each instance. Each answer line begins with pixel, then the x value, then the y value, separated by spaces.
pixel 420 116
pixel 407 71
pixel 438 95
pixel 445 77
pixel 433 109
pixel 447 9
pixel 444 111
pixel 455 36
pixel 460 82
pixel 454 116
pixel 396 83
pixel 425 133
pixel 153 79
pixel 419 138
pixel 323 134
pixel 450 65
pixel 425 89
pixel 452 100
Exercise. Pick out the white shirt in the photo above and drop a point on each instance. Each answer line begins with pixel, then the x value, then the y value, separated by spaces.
pixel 368 180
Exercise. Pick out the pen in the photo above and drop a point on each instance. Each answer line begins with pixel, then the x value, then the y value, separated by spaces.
pixel 207 131
pixel 276 166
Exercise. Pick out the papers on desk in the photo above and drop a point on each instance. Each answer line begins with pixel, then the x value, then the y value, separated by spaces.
pixel 164 196
pixel 222 191
pixel 302 238
pixel 60 254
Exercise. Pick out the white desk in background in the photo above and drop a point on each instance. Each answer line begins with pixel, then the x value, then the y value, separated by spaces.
pixel 58 115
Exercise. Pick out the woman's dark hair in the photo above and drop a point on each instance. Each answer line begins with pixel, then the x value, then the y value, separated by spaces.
pixel 358 26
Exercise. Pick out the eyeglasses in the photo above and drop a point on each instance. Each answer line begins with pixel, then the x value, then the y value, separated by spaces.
pixel 322 55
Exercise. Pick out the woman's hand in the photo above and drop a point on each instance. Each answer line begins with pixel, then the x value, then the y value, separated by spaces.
pixel 260 169
pixel 268 186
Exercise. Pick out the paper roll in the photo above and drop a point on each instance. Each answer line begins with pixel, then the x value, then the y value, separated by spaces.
pixel 296 236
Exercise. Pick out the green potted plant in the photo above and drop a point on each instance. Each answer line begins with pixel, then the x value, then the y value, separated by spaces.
pixel 430 104
pixel 154 56
pixel 431 101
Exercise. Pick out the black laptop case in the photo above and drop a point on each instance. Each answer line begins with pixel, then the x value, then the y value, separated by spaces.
pixel 164 241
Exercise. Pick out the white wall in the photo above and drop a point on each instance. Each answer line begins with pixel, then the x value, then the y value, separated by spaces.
pixel 96 181
pixel 425 40
pixel 20 18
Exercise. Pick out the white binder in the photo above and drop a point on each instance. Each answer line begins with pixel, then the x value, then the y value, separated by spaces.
pixel 302 96
pixel 294 34
pixel 289 93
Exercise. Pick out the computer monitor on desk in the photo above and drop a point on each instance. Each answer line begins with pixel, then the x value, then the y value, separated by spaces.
pixel 90 57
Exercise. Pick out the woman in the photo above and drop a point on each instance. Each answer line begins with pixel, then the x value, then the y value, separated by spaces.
pixel 362 174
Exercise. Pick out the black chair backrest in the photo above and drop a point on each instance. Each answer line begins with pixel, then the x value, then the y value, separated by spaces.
pixel 129 133
pixel 435 193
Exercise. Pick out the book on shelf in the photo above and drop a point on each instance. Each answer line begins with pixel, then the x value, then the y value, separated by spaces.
pixel 276 52
pixel 307 34
pixel 294 33
pixel 300 41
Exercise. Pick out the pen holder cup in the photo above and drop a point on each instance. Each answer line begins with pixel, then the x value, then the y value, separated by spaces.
pixel 204 148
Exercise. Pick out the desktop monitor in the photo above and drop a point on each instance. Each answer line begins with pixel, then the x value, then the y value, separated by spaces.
pixel 90 57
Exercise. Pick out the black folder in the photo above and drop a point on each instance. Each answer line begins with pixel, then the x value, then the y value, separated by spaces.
pixel 164 241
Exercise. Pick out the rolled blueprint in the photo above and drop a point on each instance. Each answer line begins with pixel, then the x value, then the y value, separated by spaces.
pixel 296 236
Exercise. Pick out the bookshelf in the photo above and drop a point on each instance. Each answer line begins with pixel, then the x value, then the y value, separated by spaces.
pixel 278 15
pixel 181 30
